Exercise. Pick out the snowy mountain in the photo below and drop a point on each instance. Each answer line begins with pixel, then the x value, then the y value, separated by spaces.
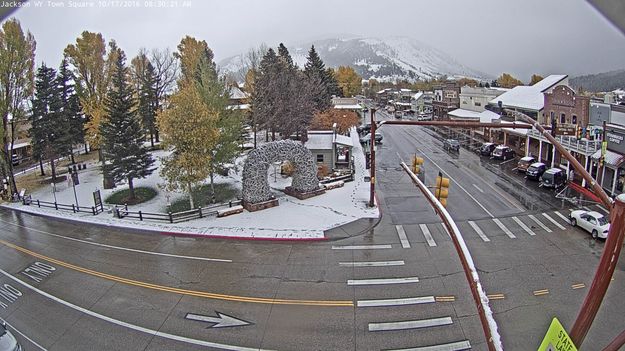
pixel 385 59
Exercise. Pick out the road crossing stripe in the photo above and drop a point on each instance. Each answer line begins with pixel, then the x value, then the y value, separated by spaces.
pixel 422 323
pixel 503 227
pixel 402 236
pixel 540 223
pixel 495 296
pixel 361 247
pixel 427 234
pixel 445 230
pixel 445 298
pixel 603 209
pixel 522 225
pixel 453 346
pixel 396 302
pixel 553 221
pixel 478 231
pixel 562 216
pixel 541 292
pixel 578 286
pixel 383 281
pixel 372 264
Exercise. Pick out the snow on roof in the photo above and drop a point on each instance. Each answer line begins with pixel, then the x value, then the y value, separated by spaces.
pixel 348 107
pixel 611 157
pixel 549 81
pixel 19 145
pixel 485 116
pixel 236 93
pixel 406 90
pixel 320 140
pixel 239 107
pixel 343 140
pixel 418 95
pixel 528 97
pixel 403 103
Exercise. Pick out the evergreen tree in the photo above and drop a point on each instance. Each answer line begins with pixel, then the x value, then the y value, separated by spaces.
pixel 48 130
pixel 332 83
pixel 148 101
pixel 264 96
pixel 283 52
pixel 122 132
pixel 321 81
pixel 70 109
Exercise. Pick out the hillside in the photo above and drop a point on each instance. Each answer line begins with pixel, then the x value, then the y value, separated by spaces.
pixel 607 81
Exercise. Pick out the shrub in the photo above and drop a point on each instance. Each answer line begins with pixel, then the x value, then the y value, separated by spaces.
pixel 121 197
pixel 287 169
pixel 202 197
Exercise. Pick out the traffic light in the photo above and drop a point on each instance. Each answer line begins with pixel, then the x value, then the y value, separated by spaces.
pixel 442 189
pixel 417 162
pixel 578 132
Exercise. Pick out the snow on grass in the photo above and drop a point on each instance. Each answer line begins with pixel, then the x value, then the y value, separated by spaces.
pixel 292 219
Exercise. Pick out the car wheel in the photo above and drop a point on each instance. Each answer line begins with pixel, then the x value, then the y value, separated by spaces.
pixel 573 222
pixel 595 234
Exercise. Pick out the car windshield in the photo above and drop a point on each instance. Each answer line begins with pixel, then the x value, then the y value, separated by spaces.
pixel 603 220
pixel 2 329
pixel 532 168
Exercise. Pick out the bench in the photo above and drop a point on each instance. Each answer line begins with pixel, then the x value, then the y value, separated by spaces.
pixel 334 185
pixel 230 211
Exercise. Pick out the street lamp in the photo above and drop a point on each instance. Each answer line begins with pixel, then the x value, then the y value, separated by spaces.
pixel 53 190
pixel 74 178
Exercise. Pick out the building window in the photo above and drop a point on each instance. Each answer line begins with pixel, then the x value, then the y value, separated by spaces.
pixel 319 157
pixel 551 117
pixel 574 119
pixel 562 118
pixel 478 103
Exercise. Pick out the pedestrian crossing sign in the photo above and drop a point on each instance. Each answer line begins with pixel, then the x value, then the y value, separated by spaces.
pixel 557 339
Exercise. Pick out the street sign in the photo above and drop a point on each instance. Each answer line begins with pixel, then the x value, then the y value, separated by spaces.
pixel 557 339
pixel 566 129
pixel 221 321
pixel 604 148
pixel 97 199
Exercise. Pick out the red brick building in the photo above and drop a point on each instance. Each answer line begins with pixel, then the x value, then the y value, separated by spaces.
pixel 567 108
pixel 446 99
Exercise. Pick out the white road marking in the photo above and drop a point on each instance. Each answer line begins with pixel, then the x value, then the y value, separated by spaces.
pixel 540 223
pixel 383 281
pixel 371 264
pixel 603 209
pixel 503 227
pixel 128 325
pixel 402 236
pixel 478 231
pixel 26 337
pixel 396 302
pixel 423 323
pixel 427 234
pixel 445 230
pixel 478 188
pixel 563 217
pixel 522 225
pixel 119 247
pixel 454 346
pixel 553 221
pixel 361 247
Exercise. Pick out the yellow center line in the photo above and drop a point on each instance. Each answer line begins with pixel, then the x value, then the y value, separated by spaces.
pixel 445 298
pixel 496 296
pixel 329 303
pixel 541 292
pixel 578 286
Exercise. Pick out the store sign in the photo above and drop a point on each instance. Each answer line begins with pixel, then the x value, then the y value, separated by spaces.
pixel 566 129
pixel 615 139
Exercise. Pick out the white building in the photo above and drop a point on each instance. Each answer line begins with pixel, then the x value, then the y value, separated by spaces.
pixel 476 99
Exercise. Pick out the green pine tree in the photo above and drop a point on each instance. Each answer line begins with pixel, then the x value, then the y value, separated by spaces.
pixel 122 132
pixel 70 109
pixel 320 80
pixel 148 101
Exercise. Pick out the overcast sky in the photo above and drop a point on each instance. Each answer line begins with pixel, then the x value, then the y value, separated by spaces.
pixel 516 36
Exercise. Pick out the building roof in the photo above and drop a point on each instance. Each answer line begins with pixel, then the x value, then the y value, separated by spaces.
pixel 418 95
pixel 238 94
pixel 323 140
pixel 348 107
pixel 239 107
pixel 343 140
pixel 612 158
pixel 485 116
pixel 528 97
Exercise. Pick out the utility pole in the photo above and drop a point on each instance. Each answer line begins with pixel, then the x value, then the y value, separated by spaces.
pixel 372 165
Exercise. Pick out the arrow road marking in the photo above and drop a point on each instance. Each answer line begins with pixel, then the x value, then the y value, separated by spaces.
pixel 221 321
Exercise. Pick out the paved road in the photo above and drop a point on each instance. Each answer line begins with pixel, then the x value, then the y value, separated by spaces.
pixel 398 285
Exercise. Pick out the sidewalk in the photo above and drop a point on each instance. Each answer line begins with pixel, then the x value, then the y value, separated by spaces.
pixel 293 219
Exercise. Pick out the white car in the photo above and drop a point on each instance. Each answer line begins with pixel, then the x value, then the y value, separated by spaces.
pixel 593 222
pixel 7 340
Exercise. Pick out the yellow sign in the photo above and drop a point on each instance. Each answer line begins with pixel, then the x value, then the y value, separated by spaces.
pixel 557 339
pixel 604 148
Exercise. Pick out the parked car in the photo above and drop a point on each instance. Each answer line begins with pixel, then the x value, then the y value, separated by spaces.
pixel 398 114
pixel 503 152
pixel 525 163
pixel 553 178
pixel 451 145
pixel 364 129
pixel 7 340
pixel 535 170
pixel 593 222
pixel 487 148
pixel 367 138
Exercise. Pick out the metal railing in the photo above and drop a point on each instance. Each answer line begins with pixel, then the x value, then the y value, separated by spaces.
pixel 173 217
pixel 586 147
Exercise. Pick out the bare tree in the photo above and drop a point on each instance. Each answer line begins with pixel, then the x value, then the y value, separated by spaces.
pixel 167 69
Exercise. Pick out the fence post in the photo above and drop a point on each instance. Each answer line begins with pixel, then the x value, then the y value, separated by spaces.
pixel 140 216
pixel 73 208
pixel 230 203
pixel 126 207
pixel 116 212
pixel 56 207
pixel 38 203
pixel 93 210
pixel 171 219
pixel 200 211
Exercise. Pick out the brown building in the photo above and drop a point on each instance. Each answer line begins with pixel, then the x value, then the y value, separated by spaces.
pixel 446 99
pixel 567 108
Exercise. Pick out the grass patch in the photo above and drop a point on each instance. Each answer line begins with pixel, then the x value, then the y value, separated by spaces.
pixel 202 197
pixel 121 197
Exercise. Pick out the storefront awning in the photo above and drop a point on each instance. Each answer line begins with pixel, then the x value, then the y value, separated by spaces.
pixel 611 158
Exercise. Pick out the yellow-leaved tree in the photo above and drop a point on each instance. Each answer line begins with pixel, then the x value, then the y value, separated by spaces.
pixel 535 79
pixel 508 81
pixel 349 81
pixel 326 119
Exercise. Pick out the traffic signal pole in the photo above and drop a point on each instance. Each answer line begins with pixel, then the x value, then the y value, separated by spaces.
pixel 372 164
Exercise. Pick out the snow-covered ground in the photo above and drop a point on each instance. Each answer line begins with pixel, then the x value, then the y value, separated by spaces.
pixel 292 219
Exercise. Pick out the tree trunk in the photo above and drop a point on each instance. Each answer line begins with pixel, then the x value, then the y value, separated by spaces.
pixel 156 135
pixel 53 168
pixel 41 167
pixel 86 148
pixel 152 138
pixel 212 188
pixel 255 136
pixel 191 196
pixel 71 154
pixel 273 135
pixel 266 135
pixel 131 188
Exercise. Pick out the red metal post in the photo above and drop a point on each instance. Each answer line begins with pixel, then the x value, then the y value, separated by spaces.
pixel 603 275
pixel 617 343
pixel 372 164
